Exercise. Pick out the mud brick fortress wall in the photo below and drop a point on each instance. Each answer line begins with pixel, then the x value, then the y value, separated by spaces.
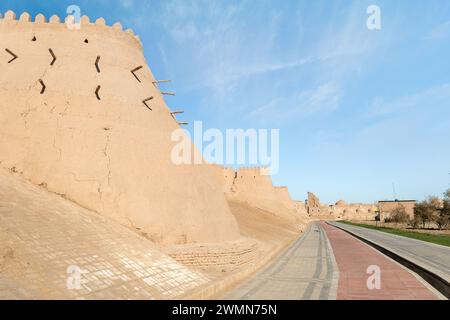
pixel 254 186
pixel 341 210
pixel 82 115
pixel 355 211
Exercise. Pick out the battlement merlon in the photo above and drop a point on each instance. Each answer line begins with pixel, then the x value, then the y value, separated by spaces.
pixel 250 171
pixel 258 171
pixel 25 19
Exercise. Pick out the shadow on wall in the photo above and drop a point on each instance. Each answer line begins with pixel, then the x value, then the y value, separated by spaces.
pixel 255 187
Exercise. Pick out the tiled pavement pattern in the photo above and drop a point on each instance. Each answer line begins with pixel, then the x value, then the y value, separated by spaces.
pixel 41 235
pixel 354 257
pixel 430 256
pixel 306 271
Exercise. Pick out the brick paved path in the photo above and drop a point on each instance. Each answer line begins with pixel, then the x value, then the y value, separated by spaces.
pixel 354 257
pixel 43 235
pixel 432 257
pixel 306 271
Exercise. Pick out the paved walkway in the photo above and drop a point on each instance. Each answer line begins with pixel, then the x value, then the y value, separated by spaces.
pixel 52 249
pixel 432 257
pixel 306 271
pixel 354 258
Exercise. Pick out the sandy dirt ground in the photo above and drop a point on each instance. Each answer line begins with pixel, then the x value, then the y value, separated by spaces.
pixel 262 234
pixel 263 226
pixel 267 234
pixel 42 233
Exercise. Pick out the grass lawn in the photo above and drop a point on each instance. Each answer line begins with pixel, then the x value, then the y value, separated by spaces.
pixel 443 240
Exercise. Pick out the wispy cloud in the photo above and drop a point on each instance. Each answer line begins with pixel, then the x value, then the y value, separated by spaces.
pixel 320 100
pixel 438 96
pixel 127 3
pixel 440 32
pixel 227 52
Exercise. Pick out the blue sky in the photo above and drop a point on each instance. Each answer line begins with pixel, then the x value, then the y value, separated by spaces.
pixel 358 110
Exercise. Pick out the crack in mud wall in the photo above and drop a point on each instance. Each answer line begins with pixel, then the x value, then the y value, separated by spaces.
pixel 111 156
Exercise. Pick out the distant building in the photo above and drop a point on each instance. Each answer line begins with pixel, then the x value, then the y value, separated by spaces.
pixel 387 207
pixel 355 211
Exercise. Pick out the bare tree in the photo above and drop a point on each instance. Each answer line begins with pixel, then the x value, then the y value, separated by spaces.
pixel 436 206
pixel 433 210
pixel 414 222
pixel 423 212
pixel 443 221
pixel 447 195
pixel 399 215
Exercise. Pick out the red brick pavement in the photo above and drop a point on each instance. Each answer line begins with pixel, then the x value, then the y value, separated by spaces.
pixel 354 257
